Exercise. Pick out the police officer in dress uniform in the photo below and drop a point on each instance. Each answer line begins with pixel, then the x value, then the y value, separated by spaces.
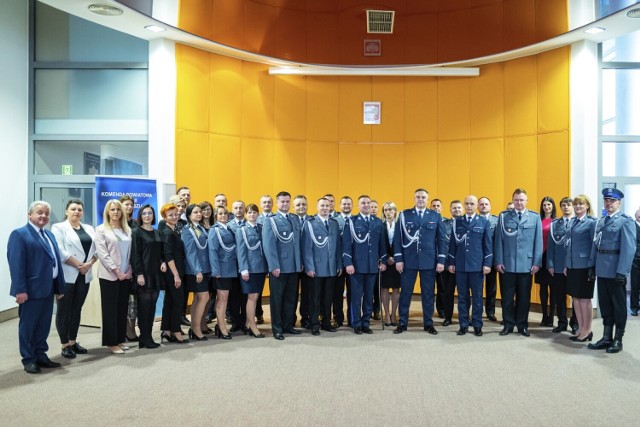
pixel 281 243
pixel 419 246
pixel 344 280
pixel 363 254
pixel 635 271
pixel 490 279
pixel 470 259
pixel 436 205
pixel 517 255
pixel 322 260
pixel 614 248
pixel 447 279
pixel 556 254
pixel 300 206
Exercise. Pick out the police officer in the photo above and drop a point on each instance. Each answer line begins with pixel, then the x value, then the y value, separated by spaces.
pixel 436 205
pixel 635 271
pixel 490 279
pixel 517 255
pixel 614 248
pixel 419 246
pixel 363 254
pixel 556 253
pixel 470 258
pixel 344 281
pixel 447 279
pixel 322 260
pixel 281 243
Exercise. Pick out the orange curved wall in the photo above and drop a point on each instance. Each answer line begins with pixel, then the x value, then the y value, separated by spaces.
pixel 332 31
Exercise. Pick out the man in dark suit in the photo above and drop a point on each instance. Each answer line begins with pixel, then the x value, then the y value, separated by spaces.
pixel 300 206
pixel 490 279
pixel 36 275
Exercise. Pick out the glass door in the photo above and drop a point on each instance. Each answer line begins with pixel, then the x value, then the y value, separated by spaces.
pixel 59 194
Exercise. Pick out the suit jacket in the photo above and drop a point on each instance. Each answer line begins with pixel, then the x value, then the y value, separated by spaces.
pixel 341 220
pixel 614 245
pixel 281 243
pixel 222 252
pixel 70 246
pixel 195 252
pixel 556 243
pixel 321 249
pixel 420 242
pixel 108 251
pixel 250 260
pixel 31 264
pixel 518 244
pixel 470 247
pixel 363 256
pixel 579 242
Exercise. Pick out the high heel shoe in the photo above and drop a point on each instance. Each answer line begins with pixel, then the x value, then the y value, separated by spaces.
pixel 207 331
pixel 167 337
pixel 253 334
pixel 219 334
pixel 148 343
pixel 587 338
pixel 193 335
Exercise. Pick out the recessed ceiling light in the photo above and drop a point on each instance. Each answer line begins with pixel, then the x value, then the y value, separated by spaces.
pixel 594 30
pixel 155 28
pixel 634 13
pixel 105 9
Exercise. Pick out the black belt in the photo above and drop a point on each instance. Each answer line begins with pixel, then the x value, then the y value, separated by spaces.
pixel 609 251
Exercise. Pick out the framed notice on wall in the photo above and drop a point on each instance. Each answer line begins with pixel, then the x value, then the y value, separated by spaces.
pixel 371 113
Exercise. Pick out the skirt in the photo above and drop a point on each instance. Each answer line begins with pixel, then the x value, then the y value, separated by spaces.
pixel 224 283
pixel 543 277
pixel 390 278
pixel 193 286
pixel 577 284
pixel 255 284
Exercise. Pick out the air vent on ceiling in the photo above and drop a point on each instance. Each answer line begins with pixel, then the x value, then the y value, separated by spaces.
pixel 380 21
pixel 634 13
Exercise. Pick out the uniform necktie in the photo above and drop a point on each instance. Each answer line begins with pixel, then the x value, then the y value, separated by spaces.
pixel 420 214
pixel 468 219
pixel 519 216
pixel 607 220
pixel 326 224
pixel 301 219
pixel 366 220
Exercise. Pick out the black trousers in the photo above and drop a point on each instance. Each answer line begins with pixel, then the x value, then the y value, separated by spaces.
pixel 448 297
pixel 147 299
pixel 237 304
pixel 259 310
pixel 440 294
pixel 613 304
pixel 320 293
pixel 172 307
pixel 303 290
pixel 342 281
pixel 490 291
pixel 635 285
pixel 283 301
pixel 516 313
pixel 559 288
pixel 70 309
pixel 114 300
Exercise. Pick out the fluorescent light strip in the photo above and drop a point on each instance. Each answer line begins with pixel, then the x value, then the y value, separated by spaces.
pixel 399 71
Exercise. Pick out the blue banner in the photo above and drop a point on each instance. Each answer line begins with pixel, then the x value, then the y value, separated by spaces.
pixel 143 191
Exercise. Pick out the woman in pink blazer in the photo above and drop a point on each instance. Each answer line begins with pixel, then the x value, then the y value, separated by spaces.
pixel 113 247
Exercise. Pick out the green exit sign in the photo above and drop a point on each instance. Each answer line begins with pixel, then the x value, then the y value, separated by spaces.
pixel 67 169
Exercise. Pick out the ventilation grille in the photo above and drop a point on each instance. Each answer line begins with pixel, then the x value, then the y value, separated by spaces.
pixel 380 21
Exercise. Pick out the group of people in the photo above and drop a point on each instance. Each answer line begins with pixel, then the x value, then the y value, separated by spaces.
pixel 223 258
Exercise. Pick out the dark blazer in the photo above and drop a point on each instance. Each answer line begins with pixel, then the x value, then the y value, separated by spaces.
pixel 31 264
pixel 363 244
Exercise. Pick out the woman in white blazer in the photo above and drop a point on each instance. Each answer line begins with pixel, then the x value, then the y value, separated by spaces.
pixel 77 252
pixel 113 247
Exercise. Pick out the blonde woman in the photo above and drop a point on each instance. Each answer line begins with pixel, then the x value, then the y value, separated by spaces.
pixel 113 247
pixel 390 279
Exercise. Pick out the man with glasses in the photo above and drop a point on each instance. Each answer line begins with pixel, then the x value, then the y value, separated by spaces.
pixel 614 248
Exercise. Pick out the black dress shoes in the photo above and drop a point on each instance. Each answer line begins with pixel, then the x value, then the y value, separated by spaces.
pixel 367 330
pixel 376 316
pixel 601 344
pixel 441 314
pixel 48 363
pixel 431 330
pixel 32 368
pixel 446 322
pixel 329 328
pixel 506 331
pixel 462 331
pixel 524 332
pixel 400 329
pixel 615 347
pixel 574 329
pixel 559 329
pixel 67 353
pixel 184 321
pixel 477 332
pixel 78 349
pixel 260 320
pixel 292 331
pixel 357 330
pixel 315 332
pixel 304 323
pixel 634 313
pixel 278 336
pixel 492 317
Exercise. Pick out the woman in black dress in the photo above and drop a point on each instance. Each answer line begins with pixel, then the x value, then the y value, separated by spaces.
pixel 132 308
pixel 148 271
pixel 543 278
pixel 390 279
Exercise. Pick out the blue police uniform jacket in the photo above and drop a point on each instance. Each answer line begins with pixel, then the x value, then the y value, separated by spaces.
pixel 363 244
pixel 420 243
pixel 518 243
pixel 249 249
pixel 222 252
pixel 195 250
pixel 614 245
pixel 321 248
pixel 556 243
pixel 579 243
pixel 470 247
pixel 281 242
